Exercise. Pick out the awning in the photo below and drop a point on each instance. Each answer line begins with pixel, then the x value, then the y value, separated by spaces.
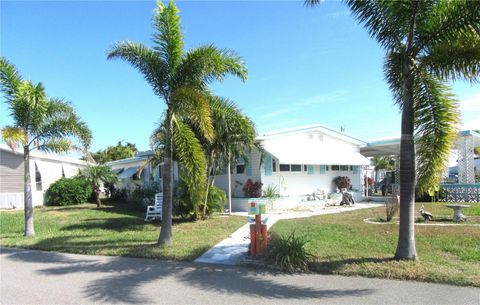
pixel 118 170
pixel 314 154
pixel 128 172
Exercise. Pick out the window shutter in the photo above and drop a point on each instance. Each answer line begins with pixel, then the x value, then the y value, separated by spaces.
pixel 310 169
pixel 355 169
pixel 268 165
pixel 323 169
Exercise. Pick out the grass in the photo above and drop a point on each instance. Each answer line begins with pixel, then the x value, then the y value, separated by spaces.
pixel 113 230
pixel 344 244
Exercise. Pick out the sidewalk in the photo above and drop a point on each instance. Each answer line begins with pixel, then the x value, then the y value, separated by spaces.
pixel 233 250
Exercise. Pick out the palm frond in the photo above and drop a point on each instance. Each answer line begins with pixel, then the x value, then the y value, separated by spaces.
pixel 13 136
pixel 146 61
pixel 10 79
pixel 192 104
pixel 393 70
pixel 436 119
pixel 190 156
pixel 386 21
pixel 168 35
pixel 206 64
pixel 61 121
pixel 448 21
pixel 457 58
pixel 56 145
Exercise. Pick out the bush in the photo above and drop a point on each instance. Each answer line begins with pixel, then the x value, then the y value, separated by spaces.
pixel 119 195
pixel 342 182
pixel 271 192
pixel 252 190
pixel 185 207
pixel 391 207
pixel 68 191
pixel 289 252
pixel 143 196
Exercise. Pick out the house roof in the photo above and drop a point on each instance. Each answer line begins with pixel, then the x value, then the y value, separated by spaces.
pixel 43 155
pixel 309 128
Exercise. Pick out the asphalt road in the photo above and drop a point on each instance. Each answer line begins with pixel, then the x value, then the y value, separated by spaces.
pixel 36 277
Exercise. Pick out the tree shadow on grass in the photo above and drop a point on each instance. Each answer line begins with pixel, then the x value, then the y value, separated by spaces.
pixel 121 279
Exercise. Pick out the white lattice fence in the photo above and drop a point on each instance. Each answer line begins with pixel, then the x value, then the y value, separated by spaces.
pixel 461 193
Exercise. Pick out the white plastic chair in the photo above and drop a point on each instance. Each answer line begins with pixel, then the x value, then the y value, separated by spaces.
pixel 155 211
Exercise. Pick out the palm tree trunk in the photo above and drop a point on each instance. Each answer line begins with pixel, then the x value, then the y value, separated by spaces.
pixel 28 205
pixel 406 239
pixel 166 228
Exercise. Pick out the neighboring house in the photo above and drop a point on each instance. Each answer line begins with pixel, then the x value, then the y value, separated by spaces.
pixel 136 171
pixel 44 170
pixel 300 161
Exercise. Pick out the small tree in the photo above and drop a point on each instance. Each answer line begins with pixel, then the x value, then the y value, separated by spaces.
pixel 96 175
pixel 39 122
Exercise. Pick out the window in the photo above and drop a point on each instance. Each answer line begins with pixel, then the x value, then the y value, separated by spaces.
pixel 295 168
pixel 351 167
pixel 240 168
pixel 274 165
pixel 159 172
pixel 305 168
pixel 38 178
pixel 290 167
pixel 335 167
pixel 327 167
pixel 344 167
pixel 63 173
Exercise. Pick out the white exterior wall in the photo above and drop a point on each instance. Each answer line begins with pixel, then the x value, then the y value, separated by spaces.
pixel 50 169
pixel 296 183
pixel 301 183
pixel 238 180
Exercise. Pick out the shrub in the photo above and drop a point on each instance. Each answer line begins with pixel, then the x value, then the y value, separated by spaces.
pixel 216 200
pixel 252 190
pixel 342 182
pixel 120 195
pixel 271 192
pixel 68 191
pixel 143 196
pixel 391 207
pixel 185 207
pixel 289 253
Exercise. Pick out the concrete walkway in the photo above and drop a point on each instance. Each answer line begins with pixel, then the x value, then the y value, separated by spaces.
pixel 37 277
pixel 233 250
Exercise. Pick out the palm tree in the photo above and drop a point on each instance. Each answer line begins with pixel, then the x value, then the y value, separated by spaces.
pixel 428 42
pixel 40 122
pixel 234 138
pixel 180 78
pixel 96 175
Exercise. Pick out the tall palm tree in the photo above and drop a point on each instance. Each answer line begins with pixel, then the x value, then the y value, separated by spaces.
pixel 96 175
pixel 428 42
pixel 180 78
pixel 40 122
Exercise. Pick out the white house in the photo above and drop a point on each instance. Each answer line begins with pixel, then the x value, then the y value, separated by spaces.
pixel 136 171
pixel 44 170
pixel 300 161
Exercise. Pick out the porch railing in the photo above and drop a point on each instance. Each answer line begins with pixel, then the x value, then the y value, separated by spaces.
pixel 461 192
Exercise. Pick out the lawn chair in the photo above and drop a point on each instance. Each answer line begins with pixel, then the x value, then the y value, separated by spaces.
pixel 155 211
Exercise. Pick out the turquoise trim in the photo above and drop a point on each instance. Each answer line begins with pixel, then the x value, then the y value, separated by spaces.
pixel 268 165
pixel 310 169
pixel 323 169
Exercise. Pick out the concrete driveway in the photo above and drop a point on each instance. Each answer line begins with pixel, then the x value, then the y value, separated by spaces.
pixel 34 277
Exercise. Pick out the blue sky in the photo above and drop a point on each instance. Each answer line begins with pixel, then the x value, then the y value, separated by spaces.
pixel 305 65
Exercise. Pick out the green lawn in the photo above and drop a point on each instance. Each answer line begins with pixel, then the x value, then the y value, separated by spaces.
pixel 113 230
pixel 344 244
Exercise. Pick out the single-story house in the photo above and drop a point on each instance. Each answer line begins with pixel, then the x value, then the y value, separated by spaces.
pixel 300 161
pixel 44 170
pixel 137 171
